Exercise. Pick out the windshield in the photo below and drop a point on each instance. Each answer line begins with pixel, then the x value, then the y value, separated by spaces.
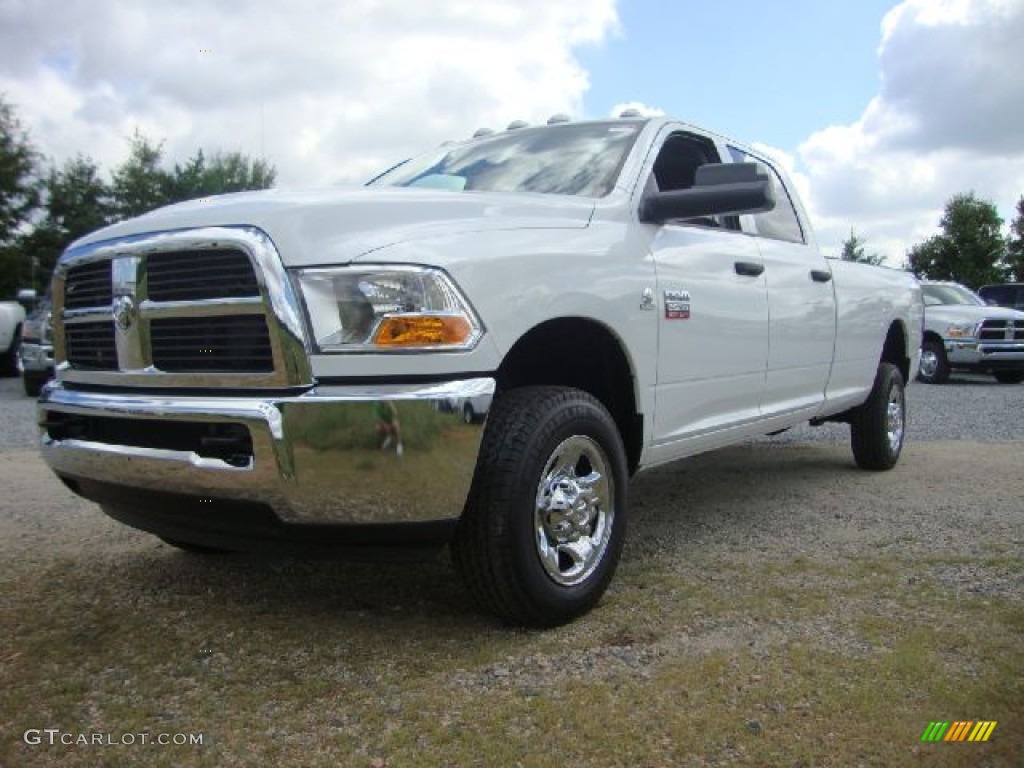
pixel 583 159
pixel 948 294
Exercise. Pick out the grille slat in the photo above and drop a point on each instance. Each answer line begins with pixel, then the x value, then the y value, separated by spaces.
pixel 91 346
pixel 230 344
pixel 197 275
pixel 88 285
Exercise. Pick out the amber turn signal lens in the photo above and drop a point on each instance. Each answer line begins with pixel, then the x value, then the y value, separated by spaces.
pixel 422 331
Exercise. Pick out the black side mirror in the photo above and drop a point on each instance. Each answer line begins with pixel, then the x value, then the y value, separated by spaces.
pixel 719 189
pixel 28 298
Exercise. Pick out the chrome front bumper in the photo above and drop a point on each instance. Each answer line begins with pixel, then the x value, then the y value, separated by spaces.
pixel 973 353
pixel 317 458
pixel 36 358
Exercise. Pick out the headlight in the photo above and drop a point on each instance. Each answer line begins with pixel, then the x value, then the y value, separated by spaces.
pixel 37 328
pixel 960 330
pixel 385 309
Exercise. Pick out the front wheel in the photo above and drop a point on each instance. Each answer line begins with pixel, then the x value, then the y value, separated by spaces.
pixel 934 368
pixel 544 525
pixel 1009 377
pixel 877 426
pixel 33 383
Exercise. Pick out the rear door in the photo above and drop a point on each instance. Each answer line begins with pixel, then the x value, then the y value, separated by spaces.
pixel 801 304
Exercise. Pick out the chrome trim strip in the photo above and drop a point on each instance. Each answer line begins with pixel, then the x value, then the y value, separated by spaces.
pixel 317 457
pixel 79 316
pixel 158 310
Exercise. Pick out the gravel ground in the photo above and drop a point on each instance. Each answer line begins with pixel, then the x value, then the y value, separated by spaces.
pixel 764 552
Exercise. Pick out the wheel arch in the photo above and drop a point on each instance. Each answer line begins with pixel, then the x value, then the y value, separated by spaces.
pixel 585 354
pixel 895 348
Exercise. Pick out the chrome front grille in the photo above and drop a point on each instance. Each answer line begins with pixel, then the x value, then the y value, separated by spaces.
pixel 200 308
pixel 1001 330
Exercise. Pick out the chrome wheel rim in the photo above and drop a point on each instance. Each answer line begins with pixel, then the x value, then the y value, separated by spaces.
pixel 929 363
pixel 894 419
pixel 574 511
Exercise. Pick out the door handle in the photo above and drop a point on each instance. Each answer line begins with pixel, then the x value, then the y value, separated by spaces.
pixel 748 268
pixel 820 275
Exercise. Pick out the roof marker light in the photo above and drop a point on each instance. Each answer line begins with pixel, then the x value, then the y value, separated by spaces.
pixel 631 112
pixel 559 118
pixel 515 125
pixel 481 132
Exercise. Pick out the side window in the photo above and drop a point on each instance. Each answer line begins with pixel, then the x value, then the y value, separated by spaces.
pixel 999 295
pixel 780 223
pixel 676 168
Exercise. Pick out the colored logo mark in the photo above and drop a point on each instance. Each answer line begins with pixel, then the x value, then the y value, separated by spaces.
pixel 959 730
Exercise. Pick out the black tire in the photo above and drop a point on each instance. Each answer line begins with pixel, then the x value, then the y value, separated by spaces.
pixel 9 359
pixel 505 547
pixel 1009 377
pixel 878 426
pixel 33 383
pixel 468 415
pixel 194 549
pixel 934 368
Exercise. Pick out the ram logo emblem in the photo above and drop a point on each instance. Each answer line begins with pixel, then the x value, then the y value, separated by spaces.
pixel 124 313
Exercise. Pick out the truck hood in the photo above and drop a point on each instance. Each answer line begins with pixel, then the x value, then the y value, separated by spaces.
pixel 944 314
pixel 338 225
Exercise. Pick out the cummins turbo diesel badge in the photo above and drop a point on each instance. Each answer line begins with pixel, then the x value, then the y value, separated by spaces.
pixel 677 305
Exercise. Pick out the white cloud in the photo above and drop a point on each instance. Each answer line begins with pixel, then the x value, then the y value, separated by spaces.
pixel 328 91
pixel 949 118
pixel 639 106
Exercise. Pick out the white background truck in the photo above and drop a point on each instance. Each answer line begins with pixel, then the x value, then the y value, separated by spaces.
pixel 625 292
pixel 962 332
pixel 12 316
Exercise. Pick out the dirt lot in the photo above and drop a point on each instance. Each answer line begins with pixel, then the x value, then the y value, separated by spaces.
pixel 774 606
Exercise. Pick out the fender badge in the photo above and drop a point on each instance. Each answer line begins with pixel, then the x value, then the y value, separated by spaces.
pixel 647 299
pixel 677 305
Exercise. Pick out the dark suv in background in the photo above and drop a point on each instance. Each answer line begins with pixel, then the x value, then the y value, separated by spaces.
pixel 1006 295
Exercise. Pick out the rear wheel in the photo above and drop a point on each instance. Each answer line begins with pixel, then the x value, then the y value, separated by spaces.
pixel 9 359
pixel 543 528
pixel 877 427
pixel 1009 377
pixel 934 368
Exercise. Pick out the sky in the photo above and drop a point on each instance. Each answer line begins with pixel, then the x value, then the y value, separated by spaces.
pixel 879 110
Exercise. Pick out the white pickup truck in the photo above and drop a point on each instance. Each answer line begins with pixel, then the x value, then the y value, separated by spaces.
pixel 243 374
pixel 12 317
pixel 962 332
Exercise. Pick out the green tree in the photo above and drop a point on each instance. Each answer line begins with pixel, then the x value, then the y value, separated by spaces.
pixel 18 175
pixel 223 173
pixel 1015 245
pixel 140 184
pixel 970 249
pixel 18 198
pixel 75 201
pixel 853 250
